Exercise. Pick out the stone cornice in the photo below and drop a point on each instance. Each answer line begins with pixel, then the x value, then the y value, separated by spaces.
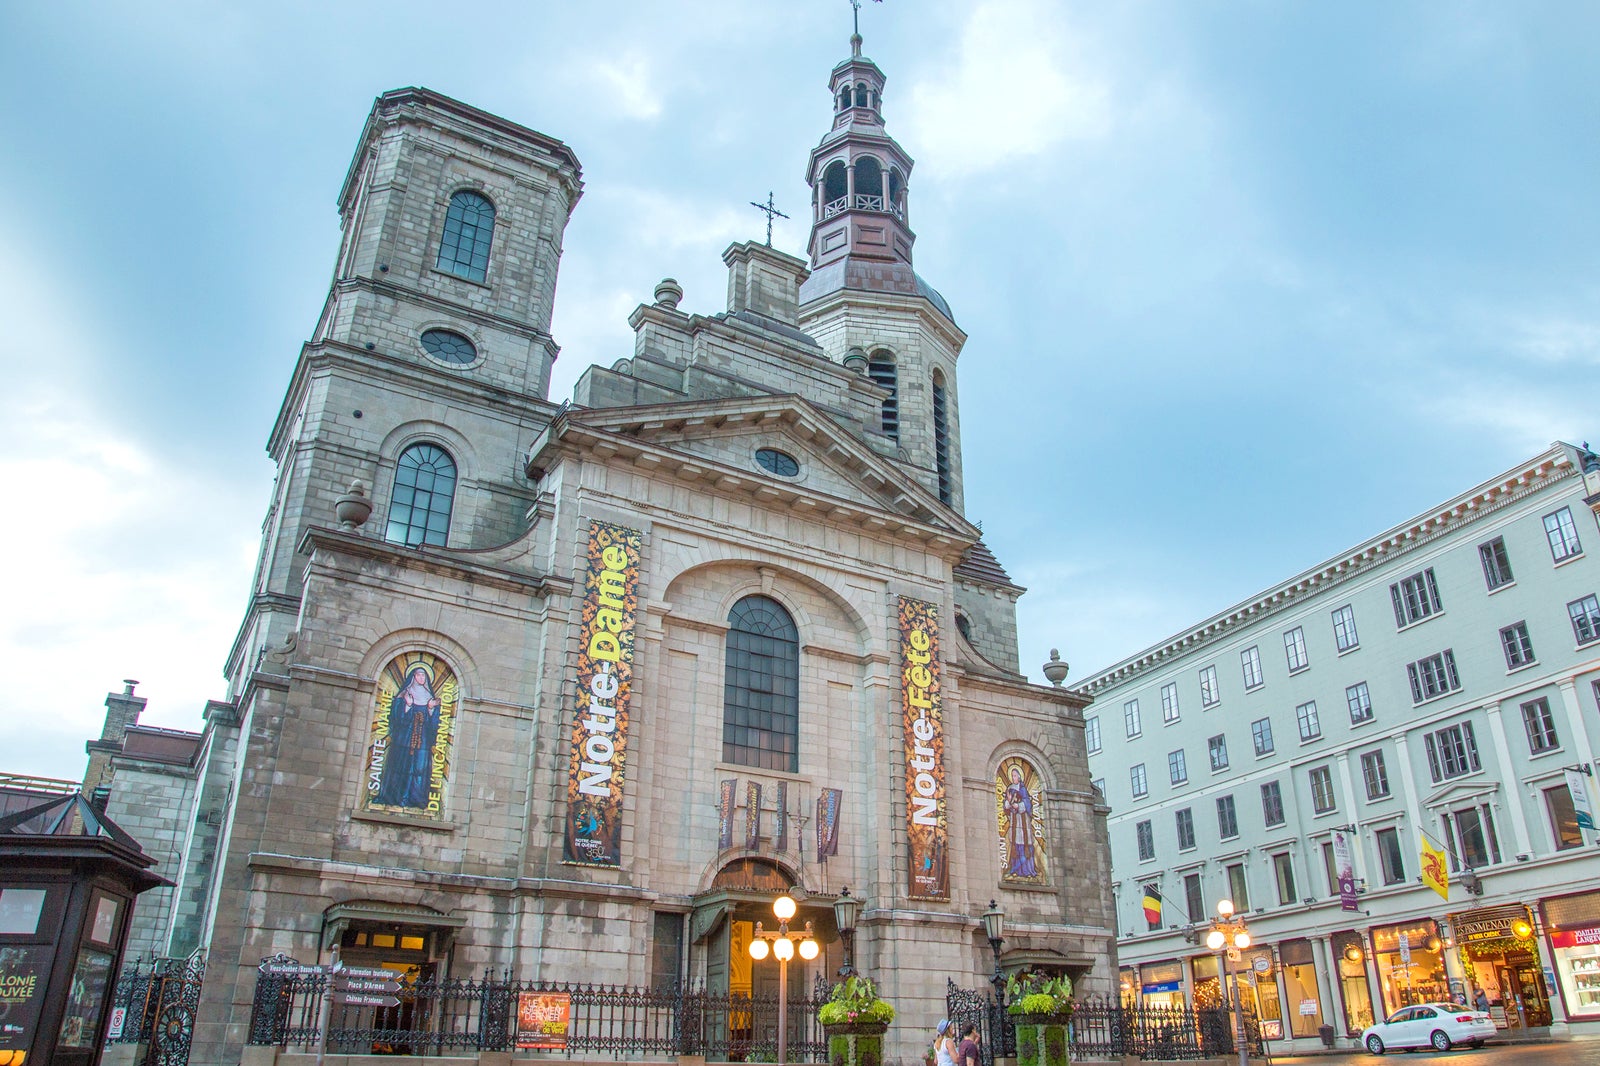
pixel 451 563
pixel 1474 505
pixel 870 303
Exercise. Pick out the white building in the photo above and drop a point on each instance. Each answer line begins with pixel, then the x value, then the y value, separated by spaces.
pixel 1432 683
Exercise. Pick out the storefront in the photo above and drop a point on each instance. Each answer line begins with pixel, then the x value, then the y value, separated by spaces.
pixel 1255 984
pixel 1303 1000
pixel 1500 955
pixel 1572 930
pixel 1161 983
pixel 1207 984
pixel 1355 993
pixel 1410 962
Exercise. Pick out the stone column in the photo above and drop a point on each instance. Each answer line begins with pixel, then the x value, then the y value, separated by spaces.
pixel 1503 768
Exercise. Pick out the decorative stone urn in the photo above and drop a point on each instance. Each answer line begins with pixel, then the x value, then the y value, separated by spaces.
pixel 353 508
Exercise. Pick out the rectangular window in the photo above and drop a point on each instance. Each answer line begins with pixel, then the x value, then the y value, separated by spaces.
pixel 1294 649
pixel 1283 873
pixel 1091 734
pixel 1359 700
pixel 1433 676
pixel 1452 751
pixel 1130 718
pixel 1541 726
pixel 1391 860
pixel 1562 534
pixel 1472 831
pixel 1177 767
pixel 1310 724
pixel 1261 733
pixel 666 954
pixel 1227 818
pixel 1099 785
pixel 1141 787
pixel 1238 889
pixel 1344 628
pixel 1272 804
pixel 1585 615
pixel 1209 694
pixel 1194 897
pixel 1375 775
pixel 1147 840
pixel 1250 662
pixel 1322 800
pixel 1169 702
pixel 1415 598
pixel 1496 563
pixel 1330 868
pixel 1517 645
pixel 1218 747
pixel 1563 818
pixel 1185 819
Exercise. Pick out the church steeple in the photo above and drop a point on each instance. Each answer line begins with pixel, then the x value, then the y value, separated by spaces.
pixel 858 177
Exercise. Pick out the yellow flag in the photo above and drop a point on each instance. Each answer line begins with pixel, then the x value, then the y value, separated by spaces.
pixel 1434 873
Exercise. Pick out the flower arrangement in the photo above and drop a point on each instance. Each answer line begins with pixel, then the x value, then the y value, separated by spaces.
pixel 855 1002
pixel 1035 994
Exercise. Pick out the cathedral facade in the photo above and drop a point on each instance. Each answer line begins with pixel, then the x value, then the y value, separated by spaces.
pixel 574 690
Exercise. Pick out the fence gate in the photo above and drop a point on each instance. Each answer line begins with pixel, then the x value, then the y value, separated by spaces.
pixel 978 1005
pixel 160 1005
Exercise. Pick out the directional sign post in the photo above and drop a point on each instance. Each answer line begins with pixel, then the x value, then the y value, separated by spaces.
pixel 359 986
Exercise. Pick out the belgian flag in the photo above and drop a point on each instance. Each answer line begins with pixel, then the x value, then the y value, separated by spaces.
pixel 1152 905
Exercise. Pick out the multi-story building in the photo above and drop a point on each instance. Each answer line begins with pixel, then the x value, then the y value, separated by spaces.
pixel 1433 687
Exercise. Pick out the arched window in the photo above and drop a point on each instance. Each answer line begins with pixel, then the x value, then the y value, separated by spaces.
pixel 941 436
pixel 869 183
pixel 468 229
pixel 424 489
pixel 861 94
pixel 897 193
pixel 835 187
pixel 761 689
pixel 880 368
pixel 844 98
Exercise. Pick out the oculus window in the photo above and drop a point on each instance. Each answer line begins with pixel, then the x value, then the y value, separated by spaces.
pixel 447 346
pixel 775 462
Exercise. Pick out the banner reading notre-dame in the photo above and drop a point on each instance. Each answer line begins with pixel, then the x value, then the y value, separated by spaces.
pixel 600 712
pixel 924 739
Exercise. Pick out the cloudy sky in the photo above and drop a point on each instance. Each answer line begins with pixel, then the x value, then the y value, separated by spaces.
pixel 1246 282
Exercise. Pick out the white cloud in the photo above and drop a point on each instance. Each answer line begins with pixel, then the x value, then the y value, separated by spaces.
pixel 1558 340
pixel 627 83
pixel 1014 89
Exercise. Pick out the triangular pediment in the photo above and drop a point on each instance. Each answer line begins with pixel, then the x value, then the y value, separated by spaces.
pixel 714 442
pixel 1461 793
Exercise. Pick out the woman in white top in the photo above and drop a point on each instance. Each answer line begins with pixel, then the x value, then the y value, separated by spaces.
pixel 944 1044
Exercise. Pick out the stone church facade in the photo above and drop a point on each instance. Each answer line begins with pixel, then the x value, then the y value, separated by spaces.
pixel 574 689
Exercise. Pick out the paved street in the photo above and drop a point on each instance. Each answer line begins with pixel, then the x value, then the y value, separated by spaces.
pixel 1573 1053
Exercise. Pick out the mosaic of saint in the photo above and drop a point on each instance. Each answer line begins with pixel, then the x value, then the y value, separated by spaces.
pixel 413 729
pixel 1019 799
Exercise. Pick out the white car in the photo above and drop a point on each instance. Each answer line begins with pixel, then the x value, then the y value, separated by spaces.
pixel 1437 1025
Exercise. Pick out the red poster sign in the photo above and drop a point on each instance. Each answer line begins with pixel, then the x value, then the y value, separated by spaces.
pixel 542 1019
pixel 1572 938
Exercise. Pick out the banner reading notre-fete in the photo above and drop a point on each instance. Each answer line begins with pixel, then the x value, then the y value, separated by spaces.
pixel 924 739
pixel 600 711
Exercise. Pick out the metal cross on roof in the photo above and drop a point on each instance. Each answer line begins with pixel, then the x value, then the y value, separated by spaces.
pixel 856 14
pixel 771 212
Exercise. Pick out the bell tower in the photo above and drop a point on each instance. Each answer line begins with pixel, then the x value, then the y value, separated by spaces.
pixel 863 302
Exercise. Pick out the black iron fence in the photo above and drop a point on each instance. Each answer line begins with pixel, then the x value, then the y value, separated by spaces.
pixel 1103 1027
pixel 158 999
pixel 451 1016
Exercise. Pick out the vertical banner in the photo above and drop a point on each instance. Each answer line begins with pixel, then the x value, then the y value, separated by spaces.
pixel 926 825
pixel 725 814
pixel 1344 868
pixel 752 815
pixel 1578 786
pixel 1434 874
pixel 413 727
pixel 781 834
pixel 1019 816
pixel 828 823
pixel 600 711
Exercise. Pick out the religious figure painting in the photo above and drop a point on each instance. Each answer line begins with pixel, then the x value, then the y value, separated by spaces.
pixel 1019 798
pixel 413 729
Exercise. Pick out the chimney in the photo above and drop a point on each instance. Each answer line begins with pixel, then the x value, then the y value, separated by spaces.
pixel 764 280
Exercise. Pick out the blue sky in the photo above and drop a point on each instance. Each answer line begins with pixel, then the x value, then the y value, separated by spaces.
pixel 1245 282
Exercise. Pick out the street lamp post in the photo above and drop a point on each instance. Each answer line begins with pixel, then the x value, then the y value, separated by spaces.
pixel 994 927
pixel 1230 933
pixel 845 910
pixel 782 946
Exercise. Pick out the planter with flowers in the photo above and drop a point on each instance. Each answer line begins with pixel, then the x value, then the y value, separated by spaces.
pixel 855 1020
pixel 1041 1008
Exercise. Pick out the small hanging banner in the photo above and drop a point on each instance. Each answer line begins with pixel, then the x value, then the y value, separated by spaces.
pixel 752 816
pixel 1344 867
pixel 828 823
pixel 725 813
pixel 781 834
pixel 1578 786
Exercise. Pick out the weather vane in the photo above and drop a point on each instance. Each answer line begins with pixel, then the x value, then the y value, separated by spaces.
pixel 771 212
pixel 856 14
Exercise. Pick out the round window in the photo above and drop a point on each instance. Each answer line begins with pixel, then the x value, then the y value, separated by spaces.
pixel 448 347
pixel 781 463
